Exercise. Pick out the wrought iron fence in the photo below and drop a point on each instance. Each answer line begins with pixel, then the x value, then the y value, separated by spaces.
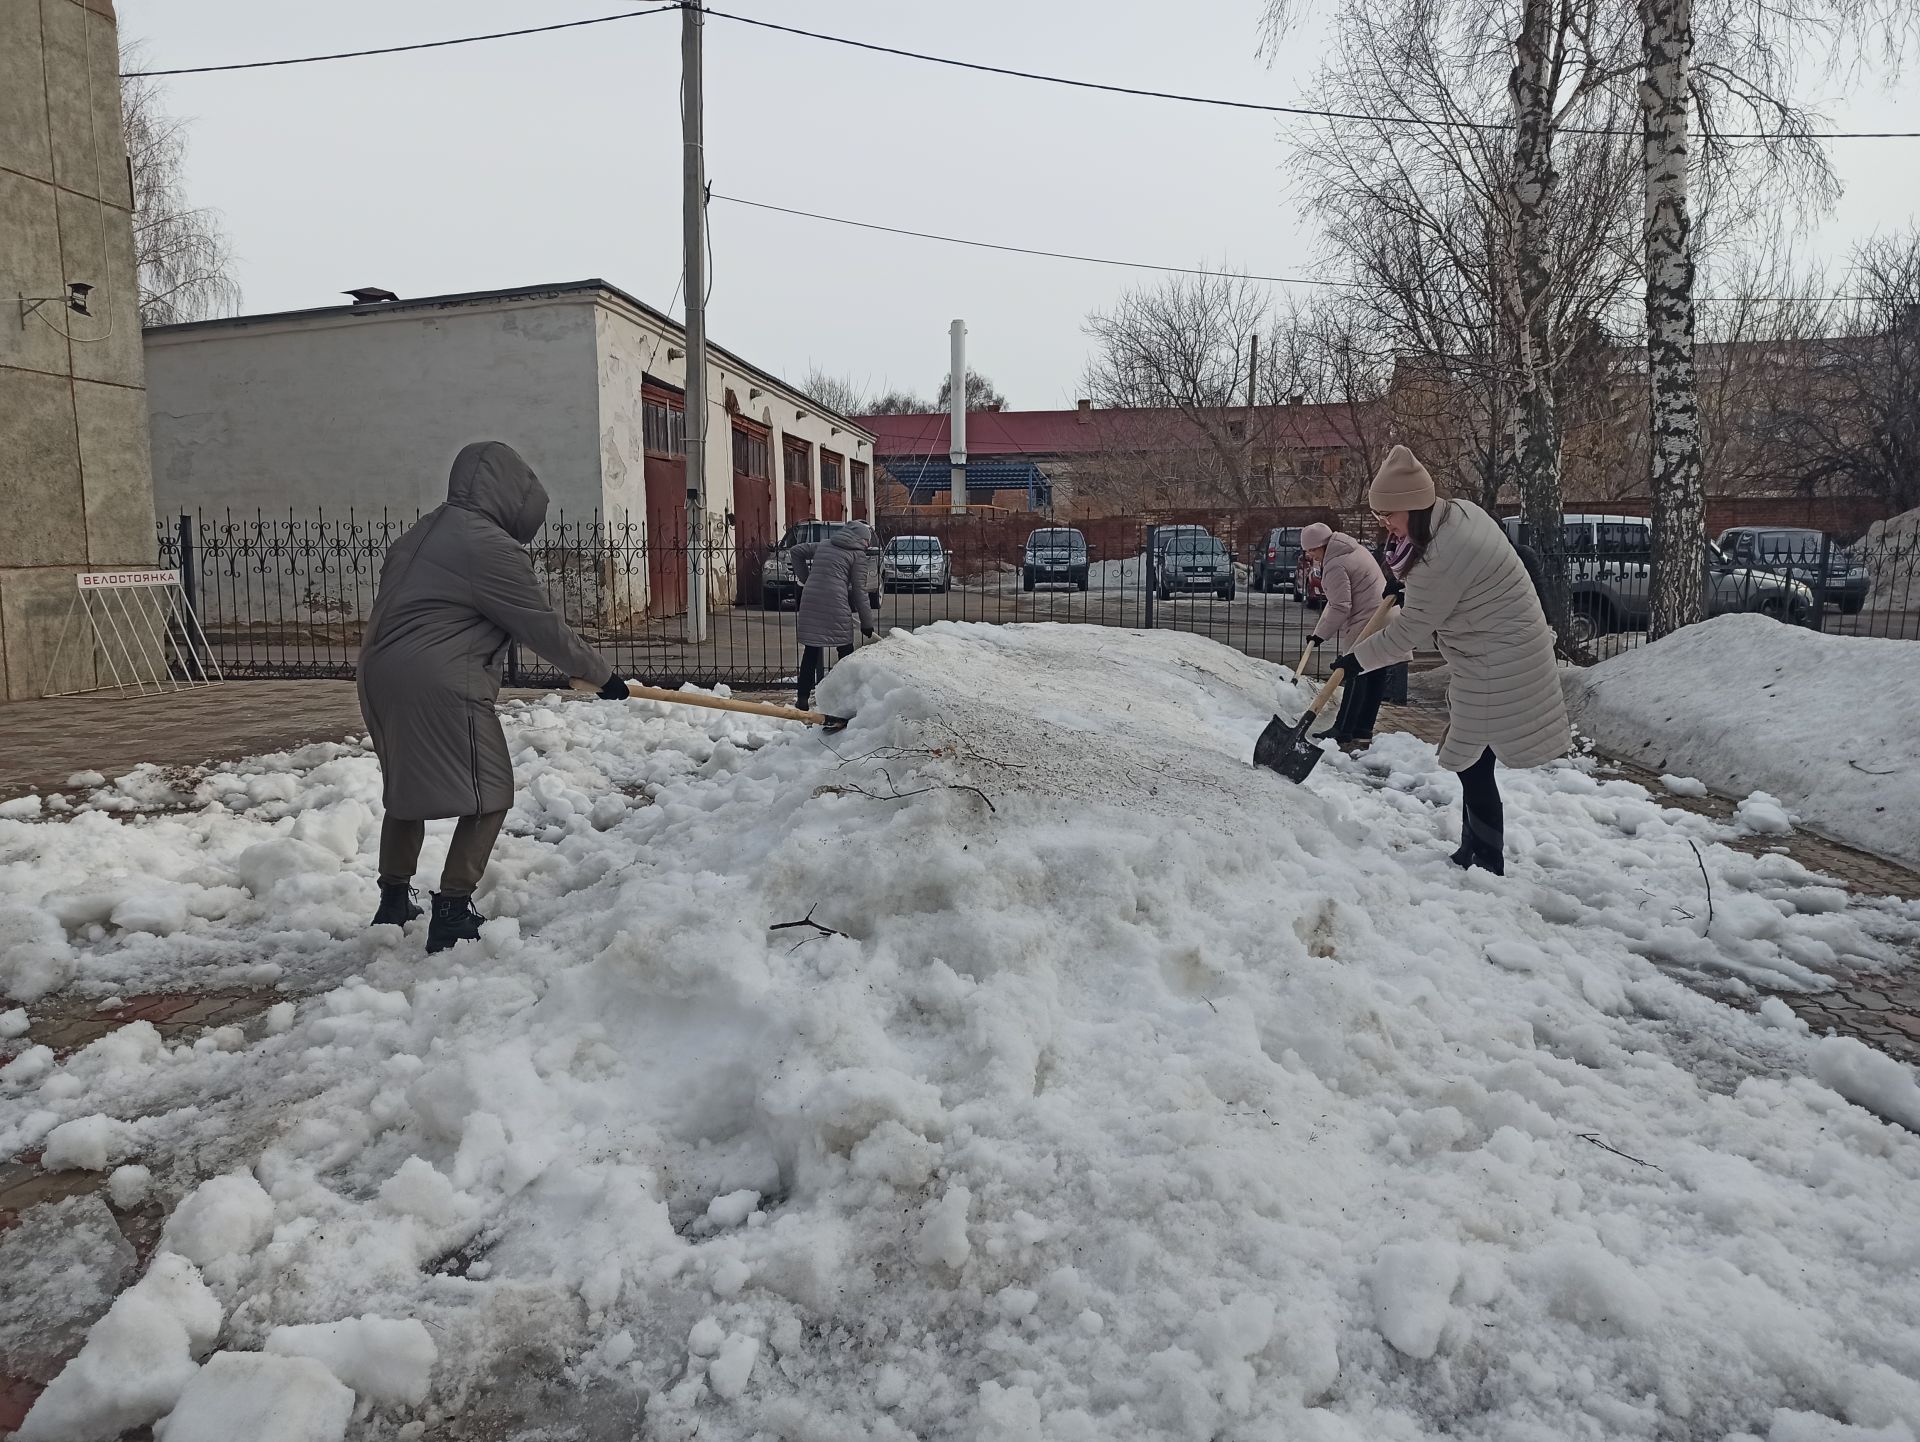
pixel 290 596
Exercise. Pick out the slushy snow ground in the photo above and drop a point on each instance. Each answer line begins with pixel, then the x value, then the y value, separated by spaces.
pixel 1142 1094
pixel 1826 725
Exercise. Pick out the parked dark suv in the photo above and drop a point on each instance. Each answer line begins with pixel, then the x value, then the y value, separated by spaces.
pixel 1610 571
pixel 1800 554
pixel 1275 562
pixel 1194 563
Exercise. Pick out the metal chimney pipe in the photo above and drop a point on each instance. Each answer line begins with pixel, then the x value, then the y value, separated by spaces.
pixel 957 409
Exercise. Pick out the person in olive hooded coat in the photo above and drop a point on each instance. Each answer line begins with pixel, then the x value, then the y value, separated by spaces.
pixel 454 590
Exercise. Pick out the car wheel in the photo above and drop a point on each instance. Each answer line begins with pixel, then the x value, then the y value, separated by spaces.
pixel 769 600
pixel 1587 622
pixel 1853 605
pixel 1026 580
pixel 1080 580
pixel 1166 594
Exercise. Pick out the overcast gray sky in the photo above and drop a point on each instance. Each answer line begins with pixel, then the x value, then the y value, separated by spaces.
pixel 556 157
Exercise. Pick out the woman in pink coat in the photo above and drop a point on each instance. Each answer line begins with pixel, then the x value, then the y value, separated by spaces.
pixel 1354 587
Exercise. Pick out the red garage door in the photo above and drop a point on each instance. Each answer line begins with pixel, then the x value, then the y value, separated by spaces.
pixel 797 462
pixel 752 506
pixel 833 486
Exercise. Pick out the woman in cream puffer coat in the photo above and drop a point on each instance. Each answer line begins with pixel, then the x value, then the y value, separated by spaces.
pixel 1467 592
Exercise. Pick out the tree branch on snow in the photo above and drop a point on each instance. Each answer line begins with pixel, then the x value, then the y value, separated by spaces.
pixel 808 920
pixel 1590 1137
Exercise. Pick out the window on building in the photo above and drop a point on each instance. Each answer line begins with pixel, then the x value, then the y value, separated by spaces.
pixel 857 474
pixel 663 423
pixel 830 471
pixel 798 465
pixel 752 453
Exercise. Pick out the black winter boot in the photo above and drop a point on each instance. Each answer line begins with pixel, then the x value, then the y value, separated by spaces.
pixel 454 920
pixel 397 906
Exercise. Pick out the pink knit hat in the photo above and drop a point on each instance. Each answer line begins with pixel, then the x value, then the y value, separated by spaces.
pixel 1313 537
pixel 1402 484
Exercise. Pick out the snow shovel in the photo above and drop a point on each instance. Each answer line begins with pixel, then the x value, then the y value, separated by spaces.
pixel 1285 748
pixel 726 703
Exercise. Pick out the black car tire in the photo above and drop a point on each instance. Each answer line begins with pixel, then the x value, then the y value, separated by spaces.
pixel 769 600
pixel 1588 619
pixel 1027 579
pixel 1080 580
pixel 1853 605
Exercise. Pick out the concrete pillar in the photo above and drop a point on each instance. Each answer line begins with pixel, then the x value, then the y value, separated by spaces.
pixel 76 488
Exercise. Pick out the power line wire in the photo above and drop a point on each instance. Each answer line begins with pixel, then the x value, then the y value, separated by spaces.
pixel 1223 102
pixel 1175 269
pixel 1307 112
pixel 1028 250
pixel 397 49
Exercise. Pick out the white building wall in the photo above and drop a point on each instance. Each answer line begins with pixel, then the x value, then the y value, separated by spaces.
pixel 368 410
pixel 632 346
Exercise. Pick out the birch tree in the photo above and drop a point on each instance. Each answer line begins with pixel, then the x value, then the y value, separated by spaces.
pixel 1474 186
pixel 182 255
pixel 1723 61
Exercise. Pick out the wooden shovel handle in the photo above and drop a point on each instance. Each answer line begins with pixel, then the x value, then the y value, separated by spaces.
pixel 721 703
pixel 1379 623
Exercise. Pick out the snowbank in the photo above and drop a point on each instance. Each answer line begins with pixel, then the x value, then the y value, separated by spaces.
pixel 1891 551
pixel 1825 724
pixel 1133 1093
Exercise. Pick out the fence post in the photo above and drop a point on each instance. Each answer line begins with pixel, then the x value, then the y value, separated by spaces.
pixel 189 572
pixel 1146 572
pixel 1820 585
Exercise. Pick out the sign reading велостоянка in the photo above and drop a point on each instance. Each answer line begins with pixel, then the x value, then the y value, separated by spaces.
pixel 113 580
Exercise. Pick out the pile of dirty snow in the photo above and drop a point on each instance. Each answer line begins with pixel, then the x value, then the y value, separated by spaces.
pixel 1111 1089
pixel 1824 724
pixel 1891 552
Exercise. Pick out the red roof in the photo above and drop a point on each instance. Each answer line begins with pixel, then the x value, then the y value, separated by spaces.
pixel 1066 433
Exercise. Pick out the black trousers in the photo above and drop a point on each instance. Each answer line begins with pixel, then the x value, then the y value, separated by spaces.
pixel 1360 706
pixel 813 665
pixel 473 838
pixel 1483 831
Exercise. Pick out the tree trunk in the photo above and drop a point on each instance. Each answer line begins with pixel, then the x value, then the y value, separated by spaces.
pixel 1674 470
pixel 1533 415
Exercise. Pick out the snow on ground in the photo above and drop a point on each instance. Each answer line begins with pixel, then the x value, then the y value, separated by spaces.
pixel 1824 724
pixel 1140 1093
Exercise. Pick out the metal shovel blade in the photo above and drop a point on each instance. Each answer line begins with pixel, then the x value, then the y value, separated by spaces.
pixel 1285 748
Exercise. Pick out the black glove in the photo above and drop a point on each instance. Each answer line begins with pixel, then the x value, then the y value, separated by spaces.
pixel 1348 664
pixel 1394 588
pixel 866 633
pixel 615 689
pixel 1314 641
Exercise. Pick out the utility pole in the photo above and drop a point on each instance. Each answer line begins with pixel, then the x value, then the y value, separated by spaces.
pixel 693 203
pixel 957 410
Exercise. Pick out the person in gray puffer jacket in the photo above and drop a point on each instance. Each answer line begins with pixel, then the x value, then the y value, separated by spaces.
pixel 833 592
pixel 454 590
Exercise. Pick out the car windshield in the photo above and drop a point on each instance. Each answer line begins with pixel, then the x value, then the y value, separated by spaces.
pixel 1290 539
pixel 1198 548
pixel 914 545
pixel 1058 540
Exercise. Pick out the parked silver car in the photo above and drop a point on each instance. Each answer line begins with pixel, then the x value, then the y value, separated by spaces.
pixel 1609 566
pixel 1054 553
pixel 1798 553
pixel 915 563
pixel 779 584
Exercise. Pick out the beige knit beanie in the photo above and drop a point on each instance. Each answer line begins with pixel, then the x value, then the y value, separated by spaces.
pixel 1402 484
pixel 1315 536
